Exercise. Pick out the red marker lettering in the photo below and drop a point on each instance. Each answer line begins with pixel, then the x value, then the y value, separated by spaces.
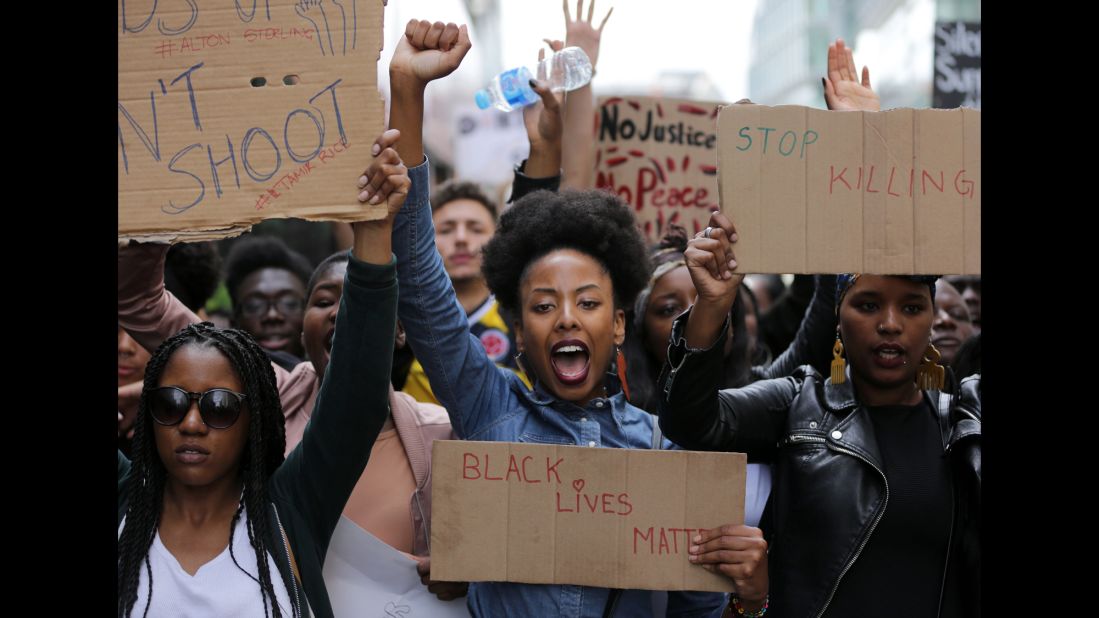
pixel 553 469
pixel 835 178
pixel 466 467
pixel 526 476
pixel 487 477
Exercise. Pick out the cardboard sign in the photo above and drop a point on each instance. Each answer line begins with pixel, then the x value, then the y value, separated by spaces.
pixel 660 156
pixel 814 191
pixel 230 113
pixel 606 517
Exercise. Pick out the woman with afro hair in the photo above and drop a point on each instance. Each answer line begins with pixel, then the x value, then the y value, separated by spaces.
pixel 564 267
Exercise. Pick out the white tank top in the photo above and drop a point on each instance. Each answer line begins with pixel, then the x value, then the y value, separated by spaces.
pixel 218 588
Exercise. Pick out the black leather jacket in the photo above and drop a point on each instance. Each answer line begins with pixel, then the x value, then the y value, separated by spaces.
pixel 829 488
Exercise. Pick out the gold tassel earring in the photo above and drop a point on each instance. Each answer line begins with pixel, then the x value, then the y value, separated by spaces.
pixel 839 365
pixel 931 376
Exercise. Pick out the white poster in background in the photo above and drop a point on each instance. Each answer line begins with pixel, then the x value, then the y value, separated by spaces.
pixel 367 578
pixel 488 144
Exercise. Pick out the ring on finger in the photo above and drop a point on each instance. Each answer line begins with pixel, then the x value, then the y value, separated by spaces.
pixel 707 231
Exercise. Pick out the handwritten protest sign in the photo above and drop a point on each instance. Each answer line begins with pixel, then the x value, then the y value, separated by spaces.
pixel 660 156
pixel 814 191
pixel 957 81
pixel 605 517
pixel 232 113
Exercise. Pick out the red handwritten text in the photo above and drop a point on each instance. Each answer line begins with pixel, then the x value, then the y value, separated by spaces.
pixel 611 504
pixel 190 44
pixel 268 34
pixel 894 183
pixel 648 190
pixel 285 184
pixel 663 540
pixel 476 467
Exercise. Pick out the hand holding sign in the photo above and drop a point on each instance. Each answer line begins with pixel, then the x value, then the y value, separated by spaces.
pixel 387 177
pixel 842 90
pixel 446 591
pixel 429 50
pixel 385 180
pixel 738 552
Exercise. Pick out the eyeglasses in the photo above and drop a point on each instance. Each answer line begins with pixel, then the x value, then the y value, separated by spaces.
pixel 287 305
pixel 219 407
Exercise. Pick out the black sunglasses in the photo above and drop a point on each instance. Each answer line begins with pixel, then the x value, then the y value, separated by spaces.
pixel 219 407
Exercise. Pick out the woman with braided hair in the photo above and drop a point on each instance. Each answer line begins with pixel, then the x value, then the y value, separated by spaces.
pixel 212 519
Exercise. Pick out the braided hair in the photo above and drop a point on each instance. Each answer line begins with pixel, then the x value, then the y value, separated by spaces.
pixel 263 454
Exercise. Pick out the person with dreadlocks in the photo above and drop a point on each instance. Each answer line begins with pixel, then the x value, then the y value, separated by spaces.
pixel 393 498
pixel 565 265
pixel 876 490
pixel 212 519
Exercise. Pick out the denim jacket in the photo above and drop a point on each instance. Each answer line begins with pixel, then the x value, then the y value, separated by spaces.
pixel 486 402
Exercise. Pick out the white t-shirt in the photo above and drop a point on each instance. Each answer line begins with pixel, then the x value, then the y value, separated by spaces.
pixel 218 588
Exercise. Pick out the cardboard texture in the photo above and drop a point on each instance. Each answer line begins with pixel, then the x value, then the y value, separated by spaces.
pixel 660 156
pixel 814 191
pixel 204 154
pixel 606 517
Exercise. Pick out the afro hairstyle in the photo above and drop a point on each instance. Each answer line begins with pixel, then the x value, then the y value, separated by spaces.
pixel 192 272
pixel 252 253
pixel 594 222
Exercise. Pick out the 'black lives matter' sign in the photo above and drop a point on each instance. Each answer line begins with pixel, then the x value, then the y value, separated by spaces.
pixel 957 65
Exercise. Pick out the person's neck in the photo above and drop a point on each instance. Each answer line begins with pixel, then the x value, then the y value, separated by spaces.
pixel 199 505
pixel 471 293
pixel 874 396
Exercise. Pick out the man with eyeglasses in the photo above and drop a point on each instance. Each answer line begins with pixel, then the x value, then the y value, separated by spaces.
pixel 266 283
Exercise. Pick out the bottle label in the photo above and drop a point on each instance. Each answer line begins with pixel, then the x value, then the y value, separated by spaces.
pixel 515 87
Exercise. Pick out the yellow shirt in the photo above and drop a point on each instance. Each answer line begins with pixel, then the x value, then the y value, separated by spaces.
pixel 486 324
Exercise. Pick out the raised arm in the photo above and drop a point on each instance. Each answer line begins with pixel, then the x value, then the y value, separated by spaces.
pixel 693 413
pixel 148 311
pixel 542 167
pixel 319 474
pixel 578 155
pixel 812 345
pixel 462 376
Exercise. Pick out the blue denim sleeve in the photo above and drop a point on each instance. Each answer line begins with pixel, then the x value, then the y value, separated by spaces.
pixel 466 382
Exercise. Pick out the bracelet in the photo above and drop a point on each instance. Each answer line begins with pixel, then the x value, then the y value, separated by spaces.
pixel 742 612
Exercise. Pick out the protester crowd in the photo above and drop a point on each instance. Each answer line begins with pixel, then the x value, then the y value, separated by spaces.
pixel 546 319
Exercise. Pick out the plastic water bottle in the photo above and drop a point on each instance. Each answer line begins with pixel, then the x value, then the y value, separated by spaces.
pixel 567 69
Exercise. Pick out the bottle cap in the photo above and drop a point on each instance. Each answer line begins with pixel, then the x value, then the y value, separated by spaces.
pixel 482 99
